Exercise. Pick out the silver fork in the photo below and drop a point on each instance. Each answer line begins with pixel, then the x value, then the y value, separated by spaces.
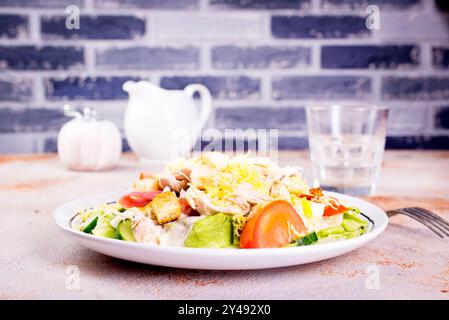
pixel 432 221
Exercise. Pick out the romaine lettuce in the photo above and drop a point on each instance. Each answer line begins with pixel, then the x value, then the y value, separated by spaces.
pixel 215 231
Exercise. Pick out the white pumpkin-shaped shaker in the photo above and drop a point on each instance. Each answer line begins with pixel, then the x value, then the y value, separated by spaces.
pixel 88 144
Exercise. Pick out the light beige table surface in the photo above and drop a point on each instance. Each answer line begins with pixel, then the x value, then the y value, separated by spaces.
pixel 34 256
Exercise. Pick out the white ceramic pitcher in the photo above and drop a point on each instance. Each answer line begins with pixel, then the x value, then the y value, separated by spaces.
pixel 164 124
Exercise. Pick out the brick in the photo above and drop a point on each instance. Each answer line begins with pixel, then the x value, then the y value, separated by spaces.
pixel 282 118
pixel 13 26
pixel 408 24
pixel 418 142
pixel 146 4
pixel 41 3
pixel 204 27
pixel 442 117
pixel 233 57
pixel 51 144
pixel 315 27
pixel 321 87
pixel 261 4
pixel 361 4
pixel 148 58
pixel 16 89
pixel 89 88
pixel 367 56
pixel 408 120
pixel 221 87
pixel 94 28
pixel 415 88
pixel 31 119
pixel 28 142
pixel 40 58
pixel 293 143
pixel 440 57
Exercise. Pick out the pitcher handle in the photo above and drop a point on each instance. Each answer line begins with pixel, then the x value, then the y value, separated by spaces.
pixel 206 100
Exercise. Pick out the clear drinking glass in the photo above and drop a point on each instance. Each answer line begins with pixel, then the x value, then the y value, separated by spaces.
pixel 346 146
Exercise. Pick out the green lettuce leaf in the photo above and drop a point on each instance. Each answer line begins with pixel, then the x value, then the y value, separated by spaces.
pixel 215 231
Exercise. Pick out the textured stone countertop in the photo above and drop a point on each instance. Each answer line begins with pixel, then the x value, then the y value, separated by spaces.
pixel 412 262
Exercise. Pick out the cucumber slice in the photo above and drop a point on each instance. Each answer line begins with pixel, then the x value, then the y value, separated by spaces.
pixel 104 228
pixel 91 223
pixel 125 231
pixel 118 236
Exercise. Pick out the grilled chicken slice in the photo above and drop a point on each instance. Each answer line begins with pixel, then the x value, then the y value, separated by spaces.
pixel 246 191
pixel 167 179
pixel 200 202
pixel 146 230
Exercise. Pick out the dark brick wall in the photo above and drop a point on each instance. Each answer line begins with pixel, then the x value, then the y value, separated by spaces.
pixel 315 27
pixel 261 4
pixel 34 119
pixel 284 118
pixel 398 4
pixel 11 25
pixel 15 90
pixel 233 57
pixel 321 87
pixel 264 61
pixel 221 87
pixel 89 88
pixel 40 3
pixel 146 4
pixel 94 28
pixel 442 117
pixel 440 57
pixel 31 57
pixel 416 88
pixel 138 58
pixel 370 56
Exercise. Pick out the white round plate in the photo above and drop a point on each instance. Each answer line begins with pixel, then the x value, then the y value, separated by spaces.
pixel 216 259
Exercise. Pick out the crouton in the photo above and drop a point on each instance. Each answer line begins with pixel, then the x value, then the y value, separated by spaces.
pixel 145 175
pixel 165 207
pixel 146 184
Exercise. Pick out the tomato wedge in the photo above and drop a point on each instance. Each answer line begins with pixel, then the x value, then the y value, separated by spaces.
pixel 138 199
pixel 269 228
pixel 247 234
pixel 330 211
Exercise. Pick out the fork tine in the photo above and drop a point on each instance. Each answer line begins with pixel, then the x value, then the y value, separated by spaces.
pixel 431 214
pixel 422 221
pixel 437 223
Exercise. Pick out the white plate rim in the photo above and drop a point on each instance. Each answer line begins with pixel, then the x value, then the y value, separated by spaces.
pixel 378 229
